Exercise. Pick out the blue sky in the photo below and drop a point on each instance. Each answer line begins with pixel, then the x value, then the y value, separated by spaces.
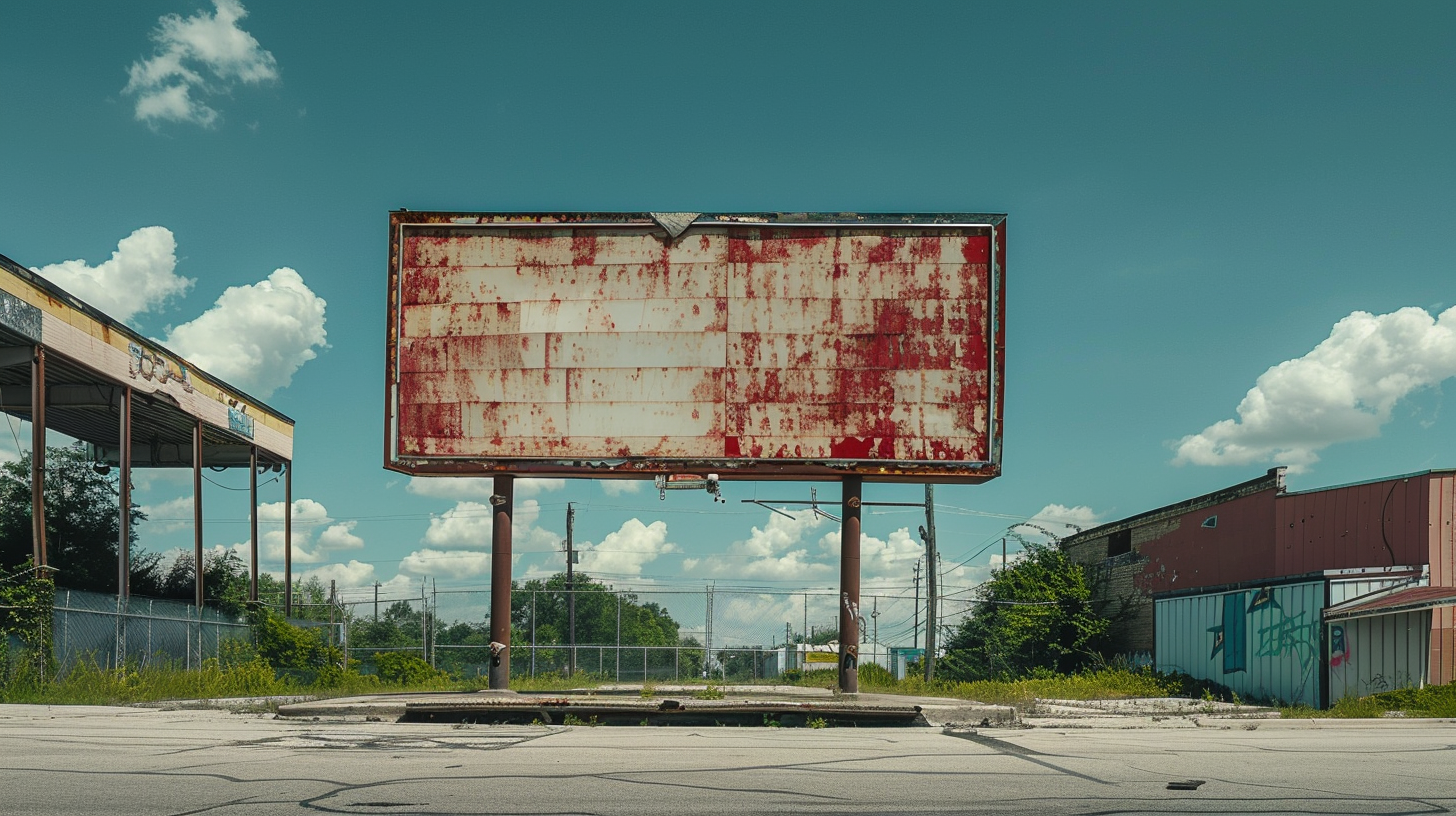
pixel 1203 199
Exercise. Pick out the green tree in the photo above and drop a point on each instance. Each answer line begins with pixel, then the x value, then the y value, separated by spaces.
pixel 224 581
pixel 83 525
pixel 643 624
pixel 1035 615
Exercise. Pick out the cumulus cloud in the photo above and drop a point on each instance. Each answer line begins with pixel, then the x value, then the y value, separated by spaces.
pixel 620 487
pixel 168 516
pixel 316 536
pixel 468 526
pixel 352 574
pixel 196 58
pixel 446 563
pixel 627 550
pixel 256 336
pixel 779 550
pixel 880 558
pixel 1343 390
pixel 476 488
pixel 140 277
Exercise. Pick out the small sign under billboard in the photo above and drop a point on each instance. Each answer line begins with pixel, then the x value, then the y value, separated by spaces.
pixel 743 345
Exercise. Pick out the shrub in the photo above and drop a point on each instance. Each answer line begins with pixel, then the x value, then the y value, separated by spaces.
pixel 403 669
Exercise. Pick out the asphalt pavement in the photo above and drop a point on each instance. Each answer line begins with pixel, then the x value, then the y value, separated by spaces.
pixel 1087 758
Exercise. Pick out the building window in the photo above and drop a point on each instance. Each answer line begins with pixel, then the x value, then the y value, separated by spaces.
pixel 1211 521
pixel 1119 543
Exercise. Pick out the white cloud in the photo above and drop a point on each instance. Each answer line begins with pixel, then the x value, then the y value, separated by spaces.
pixel 776 551
pixel 340 537
pixel 256 336
pixel 1341 391
pixel 195 58
pixel 620 487
pixel 445 564
pixel 168 516
pixel 1057 521
pixel 879 558
pixel 467 525
pixel 309 517
pixel 476 488
pixel 627 550
pixel 140 276
pixel 352 574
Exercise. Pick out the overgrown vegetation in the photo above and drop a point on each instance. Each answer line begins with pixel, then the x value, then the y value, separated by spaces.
pixel 1431 701
pixel 1035 615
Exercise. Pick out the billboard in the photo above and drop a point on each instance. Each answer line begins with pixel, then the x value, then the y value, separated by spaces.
pixel 748 345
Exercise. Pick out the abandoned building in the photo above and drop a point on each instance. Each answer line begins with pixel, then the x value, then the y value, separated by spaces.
pixel 1300 597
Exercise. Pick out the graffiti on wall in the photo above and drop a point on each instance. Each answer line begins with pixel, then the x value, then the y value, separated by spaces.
pixel 1275 634
pixel 1339 646
pixel 150 365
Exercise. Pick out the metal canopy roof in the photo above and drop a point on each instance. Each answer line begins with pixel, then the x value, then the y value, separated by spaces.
pixel 84 402
pixel 1406 599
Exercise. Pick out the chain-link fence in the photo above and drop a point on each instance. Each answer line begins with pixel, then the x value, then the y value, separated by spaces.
pixel 637 635
pixel 137 631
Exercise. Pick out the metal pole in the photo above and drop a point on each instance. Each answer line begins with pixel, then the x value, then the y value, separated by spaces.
pixel 849 587
pixel 915 638
pixel 533 633
pixel 253 523
pixel 197 522
pixel 123 544
pixel 570 592
pixel 932 581
pixel 503 500
pixel 619 643
pixel 288 541
pixel 37 460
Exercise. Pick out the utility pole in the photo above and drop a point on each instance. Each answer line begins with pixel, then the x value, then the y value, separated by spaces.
pixel 708 631
pixel 376 602
pixel 932 568
pixel 570 590
pixel 1003 552
pixel 915 639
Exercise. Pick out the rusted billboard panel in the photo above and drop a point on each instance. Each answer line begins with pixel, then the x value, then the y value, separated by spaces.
pixel 747 345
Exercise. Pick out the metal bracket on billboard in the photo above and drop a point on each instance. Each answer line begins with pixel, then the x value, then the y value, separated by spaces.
pixel 664 483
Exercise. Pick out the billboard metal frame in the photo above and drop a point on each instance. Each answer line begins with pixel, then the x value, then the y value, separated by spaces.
pixel 727 468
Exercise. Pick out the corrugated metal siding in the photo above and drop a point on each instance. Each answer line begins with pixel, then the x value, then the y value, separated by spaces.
pixel 1442 660
pixel 1341 591
pixel 1271 650
pixel 1377 524
pixel 1378 653
pixel 1185 554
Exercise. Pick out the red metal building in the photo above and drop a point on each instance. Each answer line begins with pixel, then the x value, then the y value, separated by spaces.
pixel 1381 552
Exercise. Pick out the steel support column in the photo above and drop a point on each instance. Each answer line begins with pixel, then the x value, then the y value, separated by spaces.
pixel 500 582
pixel 197 514
pixel 123 544
pixel 37 460
pixel 288 540
pixel 253 524
pixel 849 587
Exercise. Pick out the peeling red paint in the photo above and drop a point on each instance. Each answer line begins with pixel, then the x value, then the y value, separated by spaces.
pixel 850 343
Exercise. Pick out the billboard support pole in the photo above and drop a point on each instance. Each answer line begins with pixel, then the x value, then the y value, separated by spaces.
pixel 849 587
pixel 503 502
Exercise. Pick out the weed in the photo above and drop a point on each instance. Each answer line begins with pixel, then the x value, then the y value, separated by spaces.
pixel 649 689
pixel 711 692
pixel 818 722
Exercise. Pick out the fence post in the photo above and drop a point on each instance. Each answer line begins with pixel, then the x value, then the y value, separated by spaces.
pixel 533 633
pixel 619 638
